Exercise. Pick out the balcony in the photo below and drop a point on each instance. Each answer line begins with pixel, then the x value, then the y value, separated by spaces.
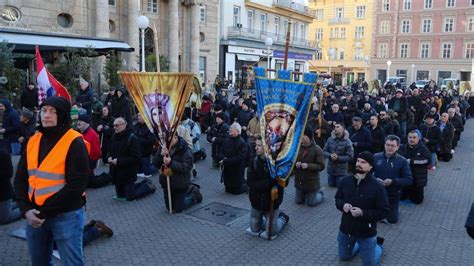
pixel 295 7
pixel 256 35
pixel 339 21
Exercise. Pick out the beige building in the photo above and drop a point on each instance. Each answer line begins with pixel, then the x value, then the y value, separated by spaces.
pixel 187 29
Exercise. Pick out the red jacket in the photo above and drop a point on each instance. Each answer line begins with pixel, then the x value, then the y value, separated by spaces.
pixel 91 136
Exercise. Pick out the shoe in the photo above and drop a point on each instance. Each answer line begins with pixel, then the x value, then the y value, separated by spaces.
pixel 89 224
pixel 104 229
pixel 141 175
pixel 285 217
pixel 196 194
pixel 380 240
pixel 204 155
pixel 119 199
pixel 453 151
pixel 150 184
pixel 433 168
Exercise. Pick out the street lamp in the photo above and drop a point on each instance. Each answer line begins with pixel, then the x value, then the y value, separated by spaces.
pixel 143 23
pixel 268 43
pixel 366 58
pixel 412 72
pixel 389 63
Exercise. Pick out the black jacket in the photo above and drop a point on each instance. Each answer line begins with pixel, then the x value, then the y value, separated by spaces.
pixel 363 139
pixel 10 122
pixel 221 133
pixel 433 135
pixel 121 108
pixel 181 165
pixel 370 196
pixel 85 98
pixel 260 184
pixel 70 197
pixel 420 158
pixel 26 131
pixel 234 154
pixel 29 98
pixel 146 137
pixel 378 139
pixel 124 147
pixel 447 137
pixel 6 172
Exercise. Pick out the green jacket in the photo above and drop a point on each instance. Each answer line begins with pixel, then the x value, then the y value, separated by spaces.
pixel 307 179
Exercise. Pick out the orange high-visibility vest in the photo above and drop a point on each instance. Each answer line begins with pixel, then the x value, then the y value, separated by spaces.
pixel 48 178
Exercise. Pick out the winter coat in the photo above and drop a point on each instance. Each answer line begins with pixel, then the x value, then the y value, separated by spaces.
pixel 399 105
pixel 181 166
pixel 420 158
pixel 395 168
pixel 433 134
pixel 91 136
pixel 106 134
pixel 260 184
pixel 334 117
pixel 378 139
pixel 325 130
pixel 253 128
pixel 387 126
pixel 244 117
pixel 221 133
pixel 6 172
pixel 447 137
pixel 121 108
pixel 125 147
pixel 26 131
pixel 146 138
pixel 10 122
pixel 29 98
pixel 96 111
pixel 457 123
pixel 307 180
pixel 370 196
pixel 234 154
pixel 362 137
pixel 194 132
pixel 343 148
pixel 365 115
pixel 85 98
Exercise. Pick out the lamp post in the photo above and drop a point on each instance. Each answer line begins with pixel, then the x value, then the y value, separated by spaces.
pixel 389 63
pixel 143 23
pixel 366 58
pixel 268 43
pixel 412 72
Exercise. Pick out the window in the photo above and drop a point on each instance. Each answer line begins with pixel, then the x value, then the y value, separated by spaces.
pixel 319 34
pixel 202 67
pixel 446 50
pixel 111 2
pixel 427 25
pixel 472 2
pixel 236 15
pixel 303 31
pixel 319 55
pixel 152 6
pixel 404 50
pixel 334 33
pixel 285 26
pixel 343 33
pixel 386 5
pixel 361 12
pixel 339 13
pixel 450 3
pixel 358 54
pixel 424 50
pixel 382 50
pixel 401 73
pixel 359 32
pixel 277 25
pixel 406 4
pixel 470 50
pixel 319 14
pixel 295 30
pixel 406 26
pixel 263 22
pixel 448 24
pixel 250 20
pixel 428 4
pixel 202 13
pixel 385 27
pixel 341 54
pixel 470 23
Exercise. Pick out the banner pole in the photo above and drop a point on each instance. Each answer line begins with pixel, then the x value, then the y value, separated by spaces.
pixel 168 186
pixel 270 218
pixel 157 50
pixel 287 46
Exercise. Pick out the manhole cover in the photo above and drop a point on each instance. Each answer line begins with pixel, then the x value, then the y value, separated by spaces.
pixel 218 213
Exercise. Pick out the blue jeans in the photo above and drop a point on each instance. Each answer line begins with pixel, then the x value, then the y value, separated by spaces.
pixel 392 217
pixel 311 198
pixel 132 191
pixel 433 159
pixel 368 248
pixel 146 167
pixel 180 199
pixel 333 180
pixel 259 221
pixel 90 234
pixel 403 129
pixel 66 230
pixel 9 211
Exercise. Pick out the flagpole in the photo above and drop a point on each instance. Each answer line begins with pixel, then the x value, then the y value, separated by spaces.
pixel 287 46
pixel 157 50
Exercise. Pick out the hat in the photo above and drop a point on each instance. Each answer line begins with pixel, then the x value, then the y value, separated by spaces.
pixel 27 114
pixel 217 107
pixel 84 118
pixel 399 91
pixel 308 131
pixel 367 156
pixel 221 116
pixel 430 115
pixel 63 109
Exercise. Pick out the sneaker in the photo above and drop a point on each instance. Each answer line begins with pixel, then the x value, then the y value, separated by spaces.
pixel 285 217
pixel 433 168
pixel 104 229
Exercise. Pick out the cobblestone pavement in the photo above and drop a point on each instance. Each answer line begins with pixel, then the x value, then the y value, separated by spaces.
pixel 145 234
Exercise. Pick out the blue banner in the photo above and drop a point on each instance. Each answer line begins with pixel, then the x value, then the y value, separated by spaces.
pixel 282 107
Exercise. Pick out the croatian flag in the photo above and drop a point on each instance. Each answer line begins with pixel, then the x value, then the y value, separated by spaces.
pixel 47 84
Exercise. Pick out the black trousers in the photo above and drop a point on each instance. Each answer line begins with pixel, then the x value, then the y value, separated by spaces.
pixel 414 194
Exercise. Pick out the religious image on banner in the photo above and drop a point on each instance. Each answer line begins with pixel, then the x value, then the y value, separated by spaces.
pixel 278 120
pixel 160 109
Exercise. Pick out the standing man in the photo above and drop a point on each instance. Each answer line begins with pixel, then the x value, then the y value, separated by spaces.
pixel 339 151
pixel 392 170
pixel 378 135
pixel 360 137
pixel 29 97
pixel 363 202
pixel 399 105
pixel 85 96
pixel 50 183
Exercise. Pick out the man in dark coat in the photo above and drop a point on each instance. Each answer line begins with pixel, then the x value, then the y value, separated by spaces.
pixel 385 123
pixel 458 126
pixel 399 104
pixel 124 159
pixel 260 185
pixel 10 126
pixel 334 116
pixel 363 202
pixel 418 157
pixel 147 140
pixel 177 162
pixel 232 158
pixel 309 162
pixel 349 108
pixel 244 117
pixel 377 133
pixel 29 97
pixel 121 105
pixel 431 137
pixel 360 138
pixel 339 151
pixel 27 128
pixel 85 96
pixel 447 136
pixel 218 135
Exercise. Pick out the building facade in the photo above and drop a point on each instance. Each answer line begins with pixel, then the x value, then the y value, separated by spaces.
pixel 187 29
pixel 246 25
pixel 343 30
pixel 423 39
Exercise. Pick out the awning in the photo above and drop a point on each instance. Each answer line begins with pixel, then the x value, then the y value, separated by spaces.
pixel 25 42
pixel 248 57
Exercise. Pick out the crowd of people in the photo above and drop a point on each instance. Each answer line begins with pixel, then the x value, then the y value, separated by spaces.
pixel 377 150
